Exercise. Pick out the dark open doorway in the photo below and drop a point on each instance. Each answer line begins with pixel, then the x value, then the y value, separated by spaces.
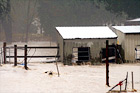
pixel 81 54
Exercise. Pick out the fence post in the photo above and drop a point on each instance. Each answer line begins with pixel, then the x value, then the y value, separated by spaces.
pixel 126 81
pixel 1 55
pixel 107 64
pixel 132 81
pixel 4 52
pixel 9 55
pixel 116 56
pixel 57 60
pixel 15 55
pixel 25 58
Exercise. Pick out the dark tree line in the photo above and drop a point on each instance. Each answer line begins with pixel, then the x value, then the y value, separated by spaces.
pixel 85 12
pixel 130 7
pixel 17 15
pixel 74 13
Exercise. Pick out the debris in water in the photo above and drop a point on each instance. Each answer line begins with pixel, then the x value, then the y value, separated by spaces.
pixel 49 72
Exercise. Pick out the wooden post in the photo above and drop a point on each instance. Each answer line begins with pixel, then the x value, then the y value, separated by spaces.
pixel 9 55
pixel 132 81
pixel 25 58
pixel 107 64
pixel 56 61
pixel 15 55
pixel 57 68
pixel 1 56
pixel 120 88
pixel 126 81
pixel 4 52
pixel 116 53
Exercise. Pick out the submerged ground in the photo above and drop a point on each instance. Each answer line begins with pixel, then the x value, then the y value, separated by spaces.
pixel 73 79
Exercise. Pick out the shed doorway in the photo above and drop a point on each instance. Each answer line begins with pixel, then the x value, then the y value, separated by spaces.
pixel 81 54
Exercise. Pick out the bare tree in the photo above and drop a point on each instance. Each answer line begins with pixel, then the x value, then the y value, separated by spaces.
pixel 6 20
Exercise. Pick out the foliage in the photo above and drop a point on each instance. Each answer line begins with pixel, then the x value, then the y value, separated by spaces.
pixel 54 13
pixel 130 7
pixel 95 61
pixel 5 8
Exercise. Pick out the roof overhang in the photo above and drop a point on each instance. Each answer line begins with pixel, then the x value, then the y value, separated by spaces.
pixel 94 32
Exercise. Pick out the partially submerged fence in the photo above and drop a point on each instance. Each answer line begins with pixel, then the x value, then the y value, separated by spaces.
pixel 26 49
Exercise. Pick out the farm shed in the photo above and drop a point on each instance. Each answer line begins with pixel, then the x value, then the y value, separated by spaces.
pixel 129 39
pixel 83 43
pixel 132 22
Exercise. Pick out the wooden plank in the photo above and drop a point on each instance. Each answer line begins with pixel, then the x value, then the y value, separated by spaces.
pixel 110 58
pixel 14 47
pixel 44 47
pixel 31 56
pixel 52 47
pixel 75 54
pixel 75 49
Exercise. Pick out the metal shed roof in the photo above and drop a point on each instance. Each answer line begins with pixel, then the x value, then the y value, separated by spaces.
pixel 128 29
pixel 86 32
pixel 137 19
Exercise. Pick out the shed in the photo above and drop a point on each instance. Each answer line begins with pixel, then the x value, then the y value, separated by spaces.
pixel 129 39
pixel 132 22
pixel 83 43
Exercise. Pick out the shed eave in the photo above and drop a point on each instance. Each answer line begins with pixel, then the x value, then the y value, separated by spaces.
pixel 89 38
pixel 133 33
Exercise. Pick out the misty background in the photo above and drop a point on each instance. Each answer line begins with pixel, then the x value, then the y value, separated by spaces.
pixel 35 20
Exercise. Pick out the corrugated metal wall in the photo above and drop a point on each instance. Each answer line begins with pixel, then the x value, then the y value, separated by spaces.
pixel 94 44
pixel 128 43
pixel 60 42
pixel 131 41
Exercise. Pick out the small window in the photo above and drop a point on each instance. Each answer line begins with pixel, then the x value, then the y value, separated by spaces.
pixel 81 54
pixel 137 53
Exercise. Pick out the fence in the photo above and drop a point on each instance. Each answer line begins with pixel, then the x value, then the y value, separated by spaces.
pixel 26 49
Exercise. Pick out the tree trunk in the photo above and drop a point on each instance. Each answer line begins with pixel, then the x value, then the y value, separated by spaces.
pixel 7 26
pixel 27 24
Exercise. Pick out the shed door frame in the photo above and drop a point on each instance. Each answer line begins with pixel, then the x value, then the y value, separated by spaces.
pixel 137 52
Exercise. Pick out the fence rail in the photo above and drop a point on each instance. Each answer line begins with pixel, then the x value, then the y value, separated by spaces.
pixel 53 47
pixel 31 56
